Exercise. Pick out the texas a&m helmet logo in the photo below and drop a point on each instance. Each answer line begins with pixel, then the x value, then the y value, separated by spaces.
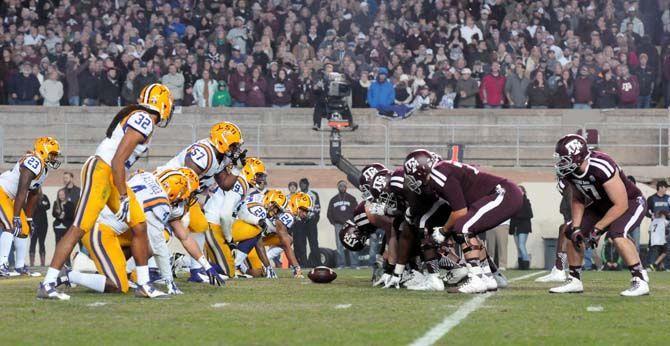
pixel 411 165
pixel 574 147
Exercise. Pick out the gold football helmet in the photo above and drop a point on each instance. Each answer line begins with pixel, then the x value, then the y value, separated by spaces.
pixel 193 184
pixel 175 184
pixel 254 173
pixel 226 138
pixel 274 202
pixel 300 204
pixel 48 149
pixel 157 97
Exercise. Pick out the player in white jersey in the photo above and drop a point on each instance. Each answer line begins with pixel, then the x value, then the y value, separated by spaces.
pixel 298 207
pixel 161 194
pixel 256 216
pixel 217 161
pixel 103 180
pixel 20 189
pixel 221 209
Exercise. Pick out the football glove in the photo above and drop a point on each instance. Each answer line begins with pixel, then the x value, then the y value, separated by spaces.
pixel 18 227
pixel 409 218
pixel 270 273
pixel 438 236
pixel 31 226
pixel 575 235
pixel 214 278
pixel 172 288
pixel 297 272
pixel 593 238
pixel 123 214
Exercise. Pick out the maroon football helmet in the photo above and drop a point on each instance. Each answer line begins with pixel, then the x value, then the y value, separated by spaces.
pixel 571 151
pixel 352 238
pixel 418 165
pixel 380 190
pixel 365 179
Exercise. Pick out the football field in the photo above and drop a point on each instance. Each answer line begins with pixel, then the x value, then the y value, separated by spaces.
pixel 346 312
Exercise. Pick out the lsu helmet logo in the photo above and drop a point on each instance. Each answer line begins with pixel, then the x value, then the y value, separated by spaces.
pixel 574 147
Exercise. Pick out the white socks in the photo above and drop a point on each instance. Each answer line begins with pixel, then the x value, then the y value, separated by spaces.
pixel 6 240
pixel 142 274
pixel 200 240
pixel 240 257
pixel 95 282
pixel 20 252
pixel 399 269
pixel 51 276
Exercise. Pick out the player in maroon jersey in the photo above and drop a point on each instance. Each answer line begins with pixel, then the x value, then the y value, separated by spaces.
pixel 479 202
pixel 604 201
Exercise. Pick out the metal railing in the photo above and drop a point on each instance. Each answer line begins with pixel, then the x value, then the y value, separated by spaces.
pixel 518 145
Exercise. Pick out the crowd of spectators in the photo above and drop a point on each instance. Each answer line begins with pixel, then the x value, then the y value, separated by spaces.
pixel 270 53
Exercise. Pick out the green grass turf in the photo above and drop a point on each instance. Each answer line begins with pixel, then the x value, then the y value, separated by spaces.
pixel 289 311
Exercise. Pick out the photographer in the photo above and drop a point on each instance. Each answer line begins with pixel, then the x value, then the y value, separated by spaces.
pixel 330 92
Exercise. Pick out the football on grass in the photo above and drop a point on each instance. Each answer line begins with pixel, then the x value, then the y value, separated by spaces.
pixel 322 275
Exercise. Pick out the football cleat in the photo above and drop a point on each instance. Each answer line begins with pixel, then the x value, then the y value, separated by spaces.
pixel 4 270
pixel 198 276
pixel 148 291
pixel 49 291
pixel 26 272
pixel 454 276
pixel 473 284
pixel 638 287
pixel 382 280
pixel 172 288
pixel 572 285
pixel 556 275
pixel 430 282
pixel 501 280
pixel 490 281
pixel 412 278
pixel 240 275
pixel 393 281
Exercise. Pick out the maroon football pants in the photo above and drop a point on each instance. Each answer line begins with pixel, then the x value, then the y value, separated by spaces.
pixel 491 210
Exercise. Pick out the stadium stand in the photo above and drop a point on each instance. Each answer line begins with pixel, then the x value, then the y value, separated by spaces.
pixel 601 54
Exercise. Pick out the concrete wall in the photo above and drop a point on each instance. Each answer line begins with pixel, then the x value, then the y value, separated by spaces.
pixel 490 137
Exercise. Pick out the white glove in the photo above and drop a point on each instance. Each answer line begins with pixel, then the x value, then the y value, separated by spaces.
pixel 377 209
pixel 172 288
pixel 437 235
pixel 123 214
pixel 270 273
pixel 393 281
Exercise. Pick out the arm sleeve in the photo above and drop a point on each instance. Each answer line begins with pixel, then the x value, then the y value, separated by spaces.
pixel 648 212
pixel 231 201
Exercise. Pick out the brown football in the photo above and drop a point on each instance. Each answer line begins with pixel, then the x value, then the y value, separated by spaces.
pixel 322 275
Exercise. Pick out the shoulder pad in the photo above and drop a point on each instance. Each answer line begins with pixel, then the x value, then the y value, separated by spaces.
pixel 33 163
pixel 141 122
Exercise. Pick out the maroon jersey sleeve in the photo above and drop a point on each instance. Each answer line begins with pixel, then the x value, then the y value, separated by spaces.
pixel 398 181
pixel 361 220
pixel 445 180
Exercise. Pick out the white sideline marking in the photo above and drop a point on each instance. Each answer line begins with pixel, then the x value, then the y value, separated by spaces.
pixel 219 305
pixel 451 321
pixel 97 304
pixel 342 306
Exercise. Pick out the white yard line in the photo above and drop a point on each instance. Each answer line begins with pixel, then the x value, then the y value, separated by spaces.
pixel 451 321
